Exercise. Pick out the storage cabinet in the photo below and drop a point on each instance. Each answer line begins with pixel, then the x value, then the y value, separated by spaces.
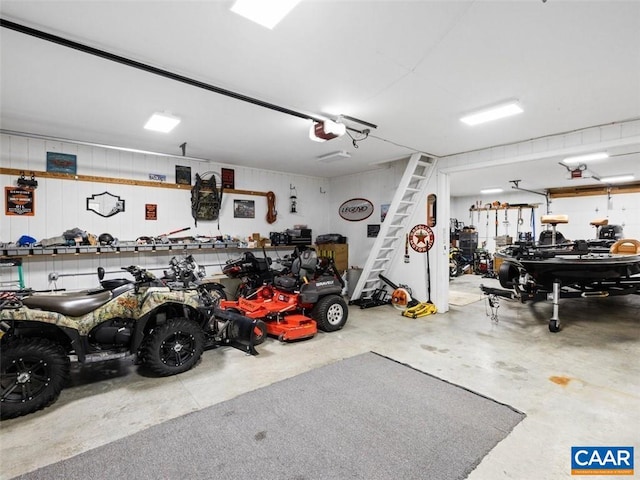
pixel 338 251
pixel 468 243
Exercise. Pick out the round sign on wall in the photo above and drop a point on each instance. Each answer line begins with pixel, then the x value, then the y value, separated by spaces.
pixel 421 238
pixel 356 209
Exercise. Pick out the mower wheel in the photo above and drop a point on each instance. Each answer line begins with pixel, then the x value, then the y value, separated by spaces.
pixel 32 374
pixel 173 347
pixel 330 313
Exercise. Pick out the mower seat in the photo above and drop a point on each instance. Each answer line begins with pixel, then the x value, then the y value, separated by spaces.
pixel 305 264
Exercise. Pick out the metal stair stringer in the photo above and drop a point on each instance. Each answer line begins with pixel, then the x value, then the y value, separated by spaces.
pixel 392 232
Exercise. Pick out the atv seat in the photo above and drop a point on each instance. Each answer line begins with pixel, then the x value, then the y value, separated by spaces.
pixel 71 304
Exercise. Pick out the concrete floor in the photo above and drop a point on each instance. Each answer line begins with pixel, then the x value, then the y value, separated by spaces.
pixel 577 387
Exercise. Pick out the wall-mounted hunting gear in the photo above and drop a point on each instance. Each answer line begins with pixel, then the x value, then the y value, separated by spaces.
pixel 206 199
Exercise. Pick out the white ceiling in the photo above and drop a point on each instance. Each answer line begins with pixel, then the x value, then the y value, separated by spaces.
pixel 410 67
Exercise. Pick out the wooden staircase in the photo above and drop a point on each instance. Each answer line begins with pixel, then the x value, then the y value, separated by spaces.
pixel 391 237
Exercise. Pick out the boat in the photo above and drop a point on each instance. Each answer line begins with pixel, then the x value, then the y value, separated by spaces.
pixel 570 263
pixel 567 270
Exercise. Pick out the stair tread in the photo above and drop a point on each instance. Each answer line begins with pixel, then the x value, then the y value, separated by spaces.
pixel 402 206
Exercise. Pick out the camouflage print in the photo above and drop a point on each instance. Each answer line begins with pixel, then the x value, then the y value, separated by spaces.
pixel 128 305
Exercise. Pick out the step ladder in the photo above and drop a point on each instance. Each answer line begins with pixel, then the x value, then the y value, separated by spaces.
pixel 11 263
pixel 391 237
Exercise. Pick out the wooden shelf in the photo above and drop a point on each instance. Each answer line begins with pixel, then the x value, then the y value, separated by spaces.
pixel 119 181
pixel 587 190
pixel 509 207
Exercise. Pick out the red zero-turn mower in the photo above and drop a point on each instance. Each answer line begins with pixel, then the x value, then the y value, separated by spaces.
pixel 298 303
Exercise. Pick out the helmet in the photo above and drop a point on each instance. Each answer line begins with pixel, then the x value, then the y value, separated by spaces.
pixel 105 239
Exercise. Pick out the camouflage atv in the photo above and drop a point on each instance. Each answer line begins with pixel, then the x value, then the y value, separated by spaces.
pixel 166 327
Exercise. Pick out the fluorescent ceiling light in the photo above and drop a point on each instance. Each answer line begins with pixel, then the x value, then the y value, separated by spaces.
pixel 617 178
pixel 333 156
pixel 491 190
pixel 492 113
pixel 264 12
pixel 589 157
pixel 162 122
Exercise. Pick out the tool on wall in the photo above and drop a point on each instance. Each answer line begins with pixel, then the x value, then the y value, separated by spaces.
pixel 532 221
pixel 496 205
pixel 486 233
pixel 506 218
pixel 431 210
pixel 407 258
pixel 520 222
pixel 293 199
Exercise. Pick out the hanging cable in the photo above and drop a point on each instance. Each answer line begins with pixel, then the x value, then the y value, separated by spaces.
pixel 354 140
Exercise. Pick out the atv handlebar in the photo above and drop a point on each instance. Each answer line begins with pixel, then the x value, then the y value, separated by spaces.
pixel 141 275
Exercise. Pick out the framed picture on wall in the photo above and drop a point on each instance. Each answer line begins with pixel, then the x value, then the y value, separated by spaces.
pixel 228 178
pixel 19 202
pixel 183 175
pixel 62 163
pixel 150 211
pixel 244 209
pixel 384 208
pixel 373 230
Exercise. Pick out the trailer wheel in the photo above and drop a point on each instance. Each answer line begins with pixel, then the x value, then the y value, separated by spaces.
pixel 173 347
pixel 33 372
pixel 259 332
pixel 330 313
pixel 554 326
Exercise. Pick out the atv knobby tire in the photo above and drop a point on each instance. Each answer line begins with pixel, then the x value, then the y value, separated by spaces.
pixel 33 372
pixel 330 313
pixel 173 347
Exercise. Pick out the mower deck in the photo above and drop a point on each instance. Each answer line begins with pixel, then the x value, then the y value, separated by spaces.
pixel 292 327
pixel 285 326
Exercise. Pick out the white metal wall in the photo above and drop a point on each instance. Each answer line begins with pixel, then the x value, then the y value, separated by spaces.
pixel 61 204
pixel 620 209
pixel 377 186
